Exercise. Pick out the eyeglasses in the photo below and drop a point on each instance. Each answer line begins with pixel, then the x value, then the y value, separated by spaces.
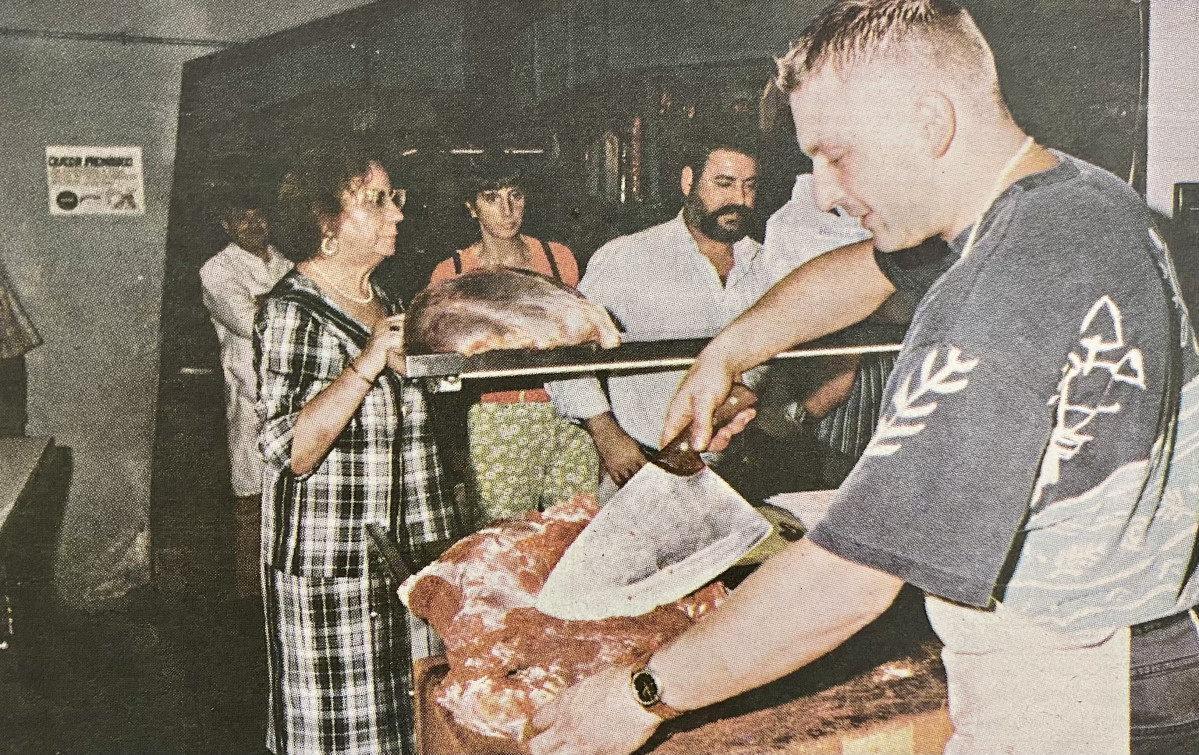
pixel 378 198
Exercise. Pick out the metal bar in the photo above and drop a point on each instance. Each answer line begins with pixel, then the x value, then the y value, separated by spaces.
pixel 644 355
pixel 635 364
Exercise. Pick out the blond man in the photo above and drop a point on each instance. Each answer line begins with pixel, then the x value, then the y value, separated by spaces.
pixel 1033 472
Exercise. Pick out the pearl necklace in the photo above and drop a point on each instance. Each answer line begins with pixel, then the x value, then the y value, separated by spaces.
pixel 370 297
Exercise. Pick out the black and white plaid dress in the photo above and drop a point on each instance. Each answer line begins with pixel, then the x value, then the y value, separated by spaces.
pixel 338 656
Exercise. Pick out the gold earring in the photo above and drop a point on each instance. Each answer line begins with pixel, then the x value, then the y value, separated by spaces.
pixel 329 246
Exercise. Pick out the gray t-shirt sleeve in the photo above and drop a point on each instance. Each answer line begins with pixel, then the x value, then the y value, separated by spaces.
pixel 943 486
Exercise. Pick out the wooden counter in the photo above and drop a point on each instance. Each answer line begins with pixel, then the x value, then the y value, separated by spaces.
pixel 883 691
pixel 897 707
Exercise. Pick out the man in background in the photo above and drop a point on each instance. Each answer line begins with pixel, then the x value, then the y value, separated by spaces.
pixel 799 230
pixel 685 278
pixel 234 281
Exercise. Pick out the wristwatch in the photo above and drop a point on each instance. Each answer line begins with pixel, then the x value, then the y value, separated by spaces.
pixel 648 693
pixel 797 413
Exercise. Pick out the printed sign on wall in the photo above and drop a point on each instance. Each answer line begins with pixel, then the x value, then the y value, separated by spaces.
pixel 95 180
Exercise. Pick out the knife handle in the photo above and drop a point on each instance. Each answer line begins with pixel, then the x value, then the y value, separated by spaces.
pixel 678 457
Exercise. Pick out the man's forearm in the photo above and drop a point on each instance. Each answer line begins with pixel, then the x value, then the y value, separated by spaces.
pixel 602 426
pixel 822 296
pixel 796 607
pixel 619 453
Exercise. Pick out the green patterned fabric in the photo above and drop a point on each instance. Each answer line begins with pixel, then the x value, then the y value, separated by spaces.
pixel 525 457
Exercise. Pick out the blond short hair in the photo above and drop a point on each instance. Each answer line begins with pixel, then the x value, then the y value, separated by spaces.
pixel 937 33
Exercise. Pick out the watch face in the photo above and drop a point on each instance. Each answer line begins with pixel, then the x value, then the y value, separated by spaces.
pixel 645 687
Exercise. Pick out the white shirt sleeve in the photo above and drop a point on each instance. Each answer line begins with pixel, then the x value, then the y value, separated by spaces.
pixel 581 398
pixel 584 398
pixel 227 298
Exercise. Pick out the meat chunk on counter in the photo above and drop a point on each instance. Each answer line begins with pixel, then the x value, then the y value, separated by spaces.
pixel 507 659
pixel 504 309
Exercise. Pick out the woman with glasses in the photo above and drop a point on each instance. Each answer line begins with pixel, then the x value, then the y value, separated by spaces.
pixel 523 455
pixel 346 443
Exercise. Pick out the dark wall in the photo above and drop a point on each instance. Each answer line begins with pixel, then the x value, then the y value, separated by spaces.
pixel 1070 71
pixel 645 72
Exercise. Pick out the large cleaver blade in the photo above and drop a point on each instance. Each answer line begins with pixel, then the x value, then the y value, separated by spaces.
pixel 673 527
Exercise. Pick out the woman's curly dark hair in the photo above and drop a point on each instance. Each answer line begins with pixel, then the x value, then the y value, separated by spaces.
pixel 309 199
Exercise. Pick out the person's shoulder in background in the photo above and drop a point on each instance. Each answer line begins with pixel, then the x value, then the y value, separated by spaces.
pixel 217 262
pixel 800 231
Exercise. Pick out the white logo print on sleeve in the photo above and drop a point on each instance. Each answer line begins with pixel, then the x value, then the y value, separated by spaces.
pixel 903 421
pixel 1102 334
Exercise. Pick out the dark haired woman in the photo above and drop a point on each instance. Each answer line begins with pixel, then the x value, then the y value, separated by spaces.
pixel 523 455
pixel 345 444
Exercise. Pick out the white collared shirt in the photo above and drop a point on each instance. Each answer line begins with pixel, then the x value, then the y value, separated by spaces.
pixel 799 230
pixel 232 281
pixel 660 287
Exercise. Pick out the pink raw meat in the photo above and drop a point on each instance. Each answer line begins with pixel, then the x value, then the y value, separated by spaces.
pixel 507 659
pixel 503 308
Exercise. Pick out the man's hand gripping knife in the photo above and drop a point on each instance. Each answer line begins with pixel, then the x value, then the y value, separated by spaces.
pixel 705 388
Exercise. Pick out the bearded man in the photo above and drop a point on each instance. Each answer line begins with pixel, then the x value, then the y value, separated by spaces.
pixel 685 278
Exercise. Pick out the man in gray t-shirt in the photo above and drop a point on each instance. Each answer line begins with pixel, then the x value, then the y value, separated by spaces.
pixel 1033 471
pixel 1031 402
